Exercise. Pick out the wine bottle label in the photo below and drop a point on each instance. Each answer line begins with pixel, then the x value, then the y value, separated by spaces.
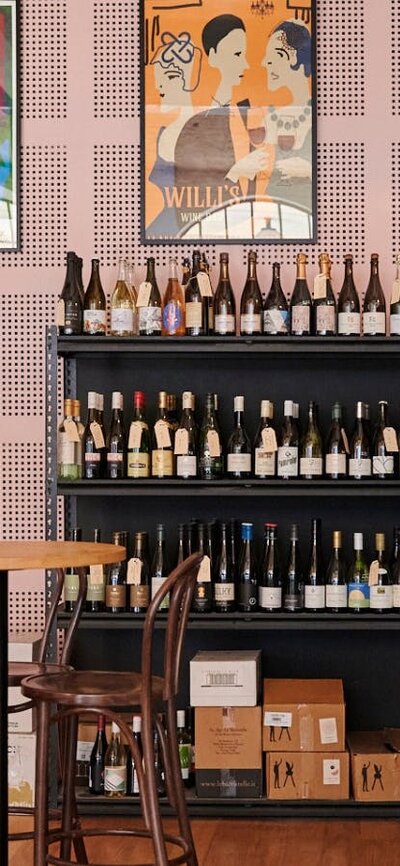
pixel 224 323
pixel 71 587
pixel 396 595
pixel 292 602
pixel 140 596
pixel 156 583
pixel 66 450
pixel 335 596
pixel 276 321
pixel 92 457
pixel 301 319
pixel 149 320
pixel 138 464
pixel 225 592
pixel 383 465
pixel 311 465
pixel 97 434
pixel 381 597
pixel 115 779
pixel 264 462
pixel 314 597
pixel 360 467
pixel 288 461
pixel 374 323
pixel 194 313
pixel 326 318
pixel 247 594
pixel 94 322
pixel 349 324
pixel 116 595
pixel 358 595
pixel 115 457
pixel 71 431
pixel 239 462
pixel 162 464
pixel 181 445
pixel 390 439
pixel 270 597
pixel 172 317
pixel 335 464
pixel 184 759
pixel 395 324
pixel 186 466
pixel 250 323
pixel 95 592
pixel 121 320
pixel 214 445
pixel 163 434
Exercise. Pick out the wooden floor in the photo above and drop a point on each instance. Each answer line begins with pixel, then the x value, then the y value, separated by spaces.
pixel 252 843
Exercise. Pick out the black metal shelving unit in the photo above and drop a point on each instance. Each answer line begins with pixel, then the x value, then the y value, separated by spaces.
pixel 360 649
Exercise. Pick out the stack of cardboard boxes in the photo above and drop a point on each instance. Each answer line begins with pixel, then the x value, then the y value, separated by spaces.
pixel 21 728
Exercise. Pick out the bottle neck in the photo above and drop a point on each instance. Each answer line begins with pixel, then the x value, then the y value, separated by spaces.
pixel 122 272
pixel 301 270
pixel 224 272
pixel 252 269
pixel 173 271
pixel 150 273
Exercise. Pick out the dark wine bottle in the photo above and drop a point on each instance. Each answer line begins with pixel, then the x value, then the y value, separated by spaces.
pixel 94 304
pixel 71 301
pixel 96 584
pixel 360 451
pixel 139 574
pixel 380 580
pixel 239 448
pixel 276 308
pixel 293 598
pixel 314 582
pixel 172 412
pixel 149 304
pixel 395 569
pixel 374 311
pixel 116 579
pixel 270 584
pixel 186 439
pixel 194 301
pixel 224 301
pixel 324 306
pixel 180 556
pixel 265 444
pixel 349 317
pixel 160 567
pixel 336 585
pixel 139 448
pixel 247 572
pixel 162 456
pixel 224 583
pixel 93 441
pixel 301 303
pixel 288 449
pixel 78 277
pixel 184 747
pixel 96 763
pixel 384 447
pixel 207 295
pixel 116 440
pixel 336 447
pixel 311 462
pixel 251 303
pixel 203 593
pixel 357 583
pixel 395 303
pixel 132 782
pixel 211 465
pixel 71 580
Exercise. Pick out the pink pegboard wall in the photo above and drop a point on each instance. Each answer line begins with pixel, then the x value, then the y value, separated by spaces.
pixel 80 187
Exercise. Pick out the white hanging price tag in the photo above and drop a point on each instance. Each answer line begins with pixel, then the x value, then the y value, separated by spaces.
pixel 373 573
pixel 96 575
pixel 319 287
pixel 144 295
pixel 345 440
pixel 163 434
pixel 268 436
pixel 204 572
pixel 203 281
pixel 135 434
pixel 213 442
pixel 71 431
pixel 181 441
pixel 97 434
pixel 134 571
pixel 390 439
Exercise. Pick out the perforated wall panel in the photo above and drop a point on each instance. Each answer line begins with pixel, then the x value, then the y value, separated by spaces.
pixel 115 52
pixel 44 60
pixel 24 319
pixel 26 610
pixel 395 54
pixel 341 58
pixel 22 473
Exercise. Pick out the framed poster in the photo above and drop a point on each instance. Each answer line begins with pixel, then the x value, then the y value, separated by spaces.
pixel 9 126
pixel 228 121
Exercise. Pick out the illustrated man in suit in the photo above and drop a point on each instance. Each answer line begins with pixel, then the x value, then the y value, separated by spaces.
pixel 276 773
pixel 364 772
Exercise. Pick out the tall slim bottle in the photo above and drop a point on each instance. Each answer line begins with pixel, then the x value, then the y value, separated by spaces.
pixel 288 444
pixel 160 567
pixel 324 305
pixel 301 303
pixel 194 300
pixel 121 305
pixel 239 448
pixel 360 450
pixel 336 447
pixel 224 583
pixel 162 456
pixel 314 582
pixel 116 439
pixel 69 446
pixel 116 579
pixel 395 303
pixel 173 310
pixel 207 295
pixel 96 584
pixel 335 584
pixel 293 597
pixel 71 301
pixel 211 463
pixel 265 443
pixel 349 316
pixel 139 573
pixel 384 446
pixel 132 782
pixel 71 580
pixel 251 303
pixel 276 308
pixel 78 272
pixel 374 311
pixel 395 569
pixel 203 593
pixel 380 580
pixel 149 303
pixel 94 304
pixel 115 766
pixel 97 759
pixel 139 448
pixel 224 301
pixel 247 572
pixel 357 582
pixel 311 462
pixel 93 441
pixel 186 439
pixel 270 582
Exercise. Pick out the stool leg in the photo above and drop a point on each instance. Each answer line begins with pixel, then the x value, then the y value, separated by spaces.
pixel 150 781
pixel 69 810
pixel 41 784
pixel 175 772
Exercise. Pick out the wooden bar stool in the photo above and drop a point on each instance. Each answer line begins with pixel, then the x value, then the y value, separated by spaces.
pixel 106 693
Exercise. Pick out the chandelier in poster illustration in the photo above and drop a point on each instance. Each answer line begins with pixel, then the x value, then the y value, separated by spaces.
pixel 228 120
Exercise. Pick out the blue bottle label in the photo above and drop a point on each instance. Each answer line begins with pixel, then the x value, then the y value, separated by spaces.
pixel 172 317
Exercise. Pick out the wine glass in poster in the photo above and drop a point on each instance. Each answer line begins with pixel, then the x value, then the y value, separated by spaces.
pixel 228 121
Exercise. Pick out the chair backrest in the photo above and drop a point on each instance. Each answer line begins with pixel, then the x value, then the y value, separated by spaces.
pixel 73 623
pixel 180 585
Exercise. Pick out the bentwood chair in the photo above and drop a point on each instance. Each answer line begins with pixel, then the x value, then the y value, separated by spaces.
pixel 107 693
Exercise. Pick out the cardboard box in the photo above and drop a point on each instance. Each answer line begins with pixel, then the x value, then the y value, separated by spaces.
pixel 307 775
pixel 22 648
pixel 375 765
pixel 21 769
pixel 228 752
pixel 230 678
pixel 303 716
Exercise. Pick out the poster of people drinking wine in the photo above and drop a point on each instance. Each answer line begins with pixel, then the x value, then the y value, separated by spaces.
pixel 228 120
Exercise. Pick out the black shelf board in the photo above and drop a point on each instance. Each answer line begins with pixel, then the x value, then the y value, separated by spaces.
pixel 242 621
pixel 226 487
pixel 336 347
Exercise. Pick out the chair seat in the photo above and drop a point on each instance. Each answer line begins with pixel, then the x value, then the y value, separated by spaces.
pixel 90 688
pixel 17 671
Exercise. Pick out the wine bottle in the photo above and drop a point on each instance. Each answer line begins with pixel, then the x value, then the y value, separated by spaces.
pixel 94 304
pixel 180 556
pixel 311 447
pixel 288 449
pixel 71 301
pixel 116 579
pixel 139 574
pixel 276 308
pixel 239 448
pixel 69 447
pixel 224 583
pixel 149 304
pixel 349 317
pixel 71 580
pixel 270 585
pixel 357 584
pixel 395 569
pixel 293 598
pixel 384 447
pixel 185 446
pixel 336 447
pixel 93 441
pixel 194 301
pixel 374 311
pixel 96 584
pixel 97 759
pixel 138 457
pixel 301 303
pixel 224 301
pixel 172 412
pixel 336 585
pixel 211 465
pixel 314 582
pixel 103 447
pixel 324 306
pixel 396 546
pixel 116 440
pixel 265 444
pixel 203 593
pixel 184 747
pixel 251 303
pixel 115 766
pixel 173 311
pixel 162 456
pixel 79 280
pixel 360 452
pixel 185 273
pixel 132 781
pixel 207 295
pixel 76 413
pixel 247 572
pixel 160 567
pixel 380 581
pixel 395 303
pixel 121 305
pixel 133 294
pixel 158 766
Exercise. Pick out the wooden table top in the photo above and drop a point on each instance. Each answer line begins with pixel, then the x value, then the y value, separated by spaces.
pixel 18 555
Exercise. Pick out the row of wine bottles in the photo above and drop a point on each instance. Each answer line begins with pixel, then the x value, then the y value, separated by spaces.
pixel 190 307
pixel 112 769
pixel 232 576
pixel 184 449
